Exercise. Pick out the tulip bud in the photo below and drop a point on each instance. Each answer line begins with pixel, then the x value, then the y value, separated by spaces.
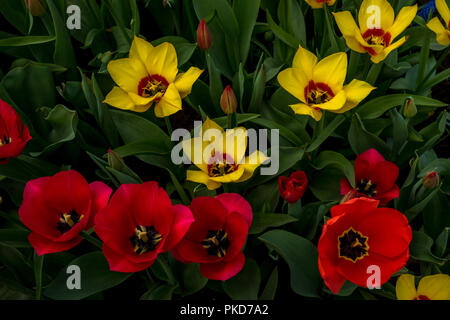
pixel 228 101
pixel 204 37
pixel 114 161
pixel 35 7
pixel 430 180
pixel 409 108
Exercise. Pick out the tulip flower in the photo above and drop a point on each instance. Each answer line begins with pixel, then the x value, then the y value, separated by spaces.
pixel 360 235
pixel 13 134
pixel 317 4
pixel 204 36
pixel 435 287
pixel 374 178
pixel 149 76
pixel 56 209
pixel 216 237
pixel 228 101
pixel 319 85
pixel 442 31
pixel 139 223
pixel 377 28
pixel 220 156
pixel 293 187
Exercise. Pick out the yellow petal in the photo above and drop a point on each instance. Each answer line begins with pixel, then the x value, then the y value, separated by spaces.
pixel 314 4
pixel 302 108
pixel 336 103
pixel 163 61
pixel 356 91
pixel 252 162
pixel 405 287
pixel 201 177
pixel 235 144
pixel 377 14
pixel 332 71
pixel 193 149
pixel 120 99
pixel 127 73
pixel 304 60
pixel 402 21
pixel 141 101
pixel 231 177
pixel 435 287
pixel 444 11
pixel 442 34
pixel 184 81
pixel 140 49
pixel 169 104
pixel 381 56
pixel 294 81
pixel 349 30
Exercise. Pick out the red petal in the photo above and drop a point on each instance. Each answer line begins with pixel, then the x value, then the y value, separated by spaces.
pixel 44 245
pixel 371 156
pixel 388 196
pixel 223 270
pixel 183 218
pixel 100 197
pixel 234 202
pixel 333 280
pixel 118 262
pixel 192 251
pixel 359 206
pixel 237 229
pixel 384 174
pixel 345 186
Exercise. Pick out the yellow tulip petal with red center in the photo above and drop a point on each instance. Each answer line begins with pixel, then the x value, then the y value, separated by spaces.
pixel 406 287
pixel 314 4
pixel 377 14
pixel 201 177
pixel 304 109
pixel 163 61
pixel 141 101
pixel 294 81
pixel 169 104
pixel 383 55
pixel 127 73
pixel 444 11
pixel 120 99
pixel 304 60
pixel 355 91
pixel 140 49
pixel 185 81
pixel 336 103
pixel 435 287
pixel 349 30
pixel 251 163
pixel 442 34
pixel 402 21
pixel 332 71
pixel 230 177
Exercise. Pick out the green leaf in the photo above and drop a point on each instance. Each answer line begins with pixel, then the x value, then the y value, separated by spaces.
pixel 162 292
pixel 192 280
pixel 329 129
pixel 14 260
pixel 16 14
pixel 262 221
pixel 140 147
pixel 26 168
pixel 271 286
pixel 246 13
pixel 301 256
pixel 280 33
pixel 361 140
pixel 331 158
pixel 25 41
pixel 16 238
pixel 400 131
pixel 244 285
pixel 420 248
pixel 95 277
pixel 325 184
pixel 418 208
pixel 184 48
pixel 376 107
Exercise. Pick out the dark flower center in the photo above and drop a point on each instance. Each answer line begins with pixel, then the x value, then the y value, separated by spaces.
pixel 5 140
pixel 318 93
pixel 152 85
pixel 68 220
pixel 377 37
pixel 145 239
pixel 220 166
pixel 367 187
pixel 352 245
pixel 216 243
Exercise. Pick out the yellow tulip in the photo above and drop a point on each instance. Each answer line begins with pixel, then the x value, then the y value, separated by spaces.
pixel 217 163
pixel 377 28
pixel 319 85
pixel 317 4
pixel 442 31
pixel 150 76
pixel 435 287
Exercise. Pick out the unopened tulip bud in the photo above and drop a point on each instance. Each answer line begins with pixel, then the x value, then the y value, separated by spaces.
pixel 35 7
pixel 114 161
pixel 409 108
pixel 430 180
pixel 204 36
pixel 228 101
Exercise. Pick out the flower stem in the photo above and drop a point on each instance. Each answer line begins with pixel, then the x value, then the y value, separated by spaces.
pixel 168 125
pixel 229 120
pixel 91 239
pixel 165 266
pixel 424 57
pixel 38 265
pixel 374 72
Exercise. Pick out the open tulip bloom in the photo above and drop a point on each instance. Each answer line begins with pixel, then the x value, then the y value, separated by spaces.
pixel 377 28
pixel 150 76
pixel 319 85
pixel 442 31
pixel 435 287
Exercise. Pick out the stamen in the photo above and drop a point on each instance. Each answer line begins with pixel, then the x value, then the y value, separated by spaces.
pixel 352 245
pixel 68 220
pixel 367 187
pixel 154 85
pixel 318 93
pixel 145 239
pixel 218 167
pixel 216 243
pixel 5 140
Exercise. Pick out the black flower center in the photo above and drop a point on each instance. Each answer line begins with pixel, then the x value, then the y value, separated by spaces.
pixel 367 187
pixel 5 140
pixel 216 243
pixel 68 220
pixel 145 239
pixel 219 166
pixel 152 85
pixel 352 245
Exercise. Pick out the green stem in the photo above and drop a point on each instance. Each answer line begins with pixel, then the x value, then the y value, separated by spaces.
pixel 38 266
pixel 374 72
pixel 229 118
pixel 438 63
pixel 91 239
pixel 168 125
pixel 118 21
pixel 163 263
pixel 424 55
pixel 331 35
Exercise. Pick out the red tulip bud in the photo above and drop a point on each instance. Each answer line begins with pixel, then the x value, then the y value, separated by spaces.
pixel 204 37
pixel 293 187
pixel 430 180
pixel 115 161
pixel 228 101
pixel 35 6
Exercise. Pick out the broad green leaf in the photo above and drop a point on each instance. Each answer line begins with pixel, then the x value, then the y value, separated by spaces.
pixel 244 285
pixel 329 129
pixel 246 13
pixel 25 41
pixel 15 262
pixel 280 33
pixel 184 48
pixel 192 280
pixel 262 221
pixel 420 248
pixel 331 158
pixel 162 292
pixel 271 286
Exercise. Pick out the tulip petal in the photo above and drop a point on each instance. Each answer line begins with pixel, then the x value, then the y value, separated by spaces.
pixel 43 245
pixel 384 175
pixel 406 287
pixel 383 55
pixel 223 270
pixel 120 263
pixel 294 81
pixel 370 10
pixel 336 103
pixel 435 287
pixel 127 73
pixel 349 30
pixel 355 91
pixel 251 163
pixel 444 11
pixel 304 60
pixel 345 186
pixel 163 61
pixel 332 71
pixel 230 177
pixel 183 219
pixel 234 202
pixel 140 49
pixel 442 34
pixel 170 103
pixel 202 177
pixel 119 98
pixel 185 81
pixel 402 21
pixel 100 198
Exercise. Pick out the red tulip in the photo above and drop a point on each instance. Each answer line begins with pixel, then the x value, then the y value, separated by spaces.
pixel 374 178
pixel 228 101
pixel 58 208
pixel 13 134
pixel 204 37
pixel 293 187
pixel 430 180
pixel 139 223
pixel 360 235
pixel 216 238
